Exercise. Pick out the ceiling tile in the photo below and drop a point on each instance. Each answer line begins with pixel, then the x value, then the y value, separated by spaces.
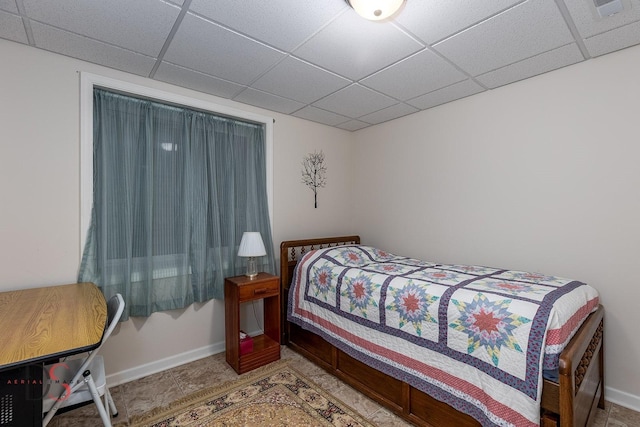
pixel 354 47
pixel 141 26
pixel 355 101
pixel 76 46
pixel 613 40
pixel 547 61
pixel 389 113
pixel 298 80
pixel 191 79
pixel 268 101
pixel 281 23
pixel 12 28
pixel 206 47
pixel 447 94
pixel 589 23
pixel 9 6
pixel 521 32
pixel 321 116
pixel 353 125
pixel 421 73
pixel 434 20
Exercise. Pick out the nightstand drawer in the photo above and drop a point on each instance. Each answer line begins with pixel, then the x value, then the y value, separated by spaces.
pixel 259 290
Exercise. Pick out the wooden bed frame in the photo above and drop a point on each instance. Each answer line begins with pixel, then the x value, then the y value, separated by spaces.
pixel 571 402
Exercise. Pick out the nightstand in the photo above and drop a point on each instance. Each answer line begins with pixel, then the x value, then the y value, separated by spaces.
pixel 266 347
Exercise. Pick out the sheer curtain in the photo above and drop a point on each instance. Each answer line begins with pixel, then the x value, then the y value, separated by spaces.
pixel 173 191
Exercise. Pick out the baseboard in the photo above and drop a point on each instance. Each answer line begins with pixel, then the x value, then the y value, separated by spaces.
pixel 168 363
pixel 163 364
pixel 622 398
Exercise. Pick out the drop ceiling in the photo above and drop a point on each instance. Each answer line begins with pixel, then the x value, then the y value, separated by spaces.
pixel 317 59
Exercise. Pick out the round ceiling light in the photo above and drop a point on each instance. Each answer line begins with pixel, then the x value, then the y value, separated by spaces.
pixel 376 10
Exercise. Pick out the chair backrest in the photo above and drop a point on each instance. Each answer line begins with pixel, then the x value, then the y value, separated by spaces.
pixel 115 308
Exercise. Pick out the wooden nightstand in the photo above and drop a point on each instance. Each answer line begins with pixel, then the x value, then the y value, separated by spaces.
pixel 266 347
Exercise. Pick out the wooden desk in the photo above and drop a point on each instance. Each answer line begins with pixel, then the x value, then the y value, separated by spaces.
pixel 44 323
pixel 37 325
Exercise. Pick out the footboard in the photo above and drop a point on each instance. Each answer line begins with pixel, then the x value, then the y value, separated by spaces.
pixel 570 402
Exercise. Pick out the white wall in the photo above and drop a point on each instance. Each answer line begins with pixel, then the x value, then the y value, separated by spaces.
pixel 296 217
pixel 40 199
pixel 539 175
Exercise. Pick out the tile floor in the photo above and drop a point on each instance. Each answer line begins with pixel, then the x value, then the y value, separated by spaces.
pixel 160 389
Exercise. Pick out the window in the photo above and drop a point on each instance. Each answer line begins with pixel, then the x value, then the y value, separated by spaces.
pixel 173 189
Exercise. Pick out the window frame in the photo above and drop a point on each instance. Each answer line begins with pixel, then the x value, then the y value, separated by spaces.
pixel 87 83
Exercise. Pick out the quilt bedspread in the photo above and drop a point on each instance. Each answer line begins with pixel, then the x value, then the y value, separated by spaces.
pixel 475 337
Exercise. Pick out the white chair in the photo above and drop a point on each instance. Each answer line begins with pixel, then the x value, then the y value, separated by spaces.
pixel 82 380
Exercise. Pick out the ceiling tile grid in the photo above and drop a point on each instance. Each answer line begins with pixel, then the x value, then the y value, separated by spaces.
pixel 446 94
pixel 8 6
pixel 355 101
pixel 320 61
pixel 613 39
pixel 353 125
pixel 436 20
pixel 419 74
pixel 206 47
pixel 389 113
pixel 507 38
pixel 12 28
pixel 547 61
pixel 589 23
pixel 283 24
pixel 196 80
pixel 266 100
pixel 70 44
pixel 300 81
pixel 355 48
pixel 321 116
pixel 141 26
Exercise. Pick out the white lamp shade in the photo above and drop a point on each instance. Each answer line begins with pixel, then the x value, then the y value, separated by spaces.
pixel 251 245
pixel 376 10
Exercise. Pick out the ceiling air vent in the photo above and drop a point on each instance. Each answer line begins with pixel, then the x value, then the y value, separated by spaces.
pixel 607 8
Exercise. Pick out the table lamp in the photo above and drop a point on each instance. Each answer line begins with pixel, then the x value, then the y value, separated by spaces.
pixel 251 246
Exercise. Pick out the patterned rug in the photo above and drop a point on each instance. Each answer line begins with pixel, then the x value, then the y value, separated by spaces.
pixel 276 395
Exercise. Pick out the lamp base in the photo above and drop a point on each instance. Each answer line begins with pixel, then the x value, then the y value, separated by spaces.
pixel 252 267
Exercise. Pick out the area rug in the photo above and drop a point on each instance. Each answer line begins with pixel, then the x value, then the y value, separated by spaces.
pixel 275 395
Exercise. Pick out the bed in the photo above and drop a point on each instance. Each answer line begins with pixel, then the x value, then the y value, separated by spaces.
pixel 410 380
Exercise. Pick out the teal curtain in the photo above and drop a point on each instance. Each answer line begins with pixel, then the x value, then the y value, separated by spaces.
pixel 173 191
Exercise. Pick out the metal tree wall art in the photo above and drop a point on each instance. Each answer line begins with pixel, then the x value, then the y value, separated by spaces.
pixel 313 173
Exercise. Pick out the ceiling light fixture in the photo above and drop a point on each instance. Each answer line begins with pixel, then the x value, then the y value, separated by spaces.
pixel 376 10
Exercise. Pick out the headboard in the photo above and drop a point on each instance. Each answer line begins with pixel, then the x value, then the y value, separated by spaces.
pixel 290 253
